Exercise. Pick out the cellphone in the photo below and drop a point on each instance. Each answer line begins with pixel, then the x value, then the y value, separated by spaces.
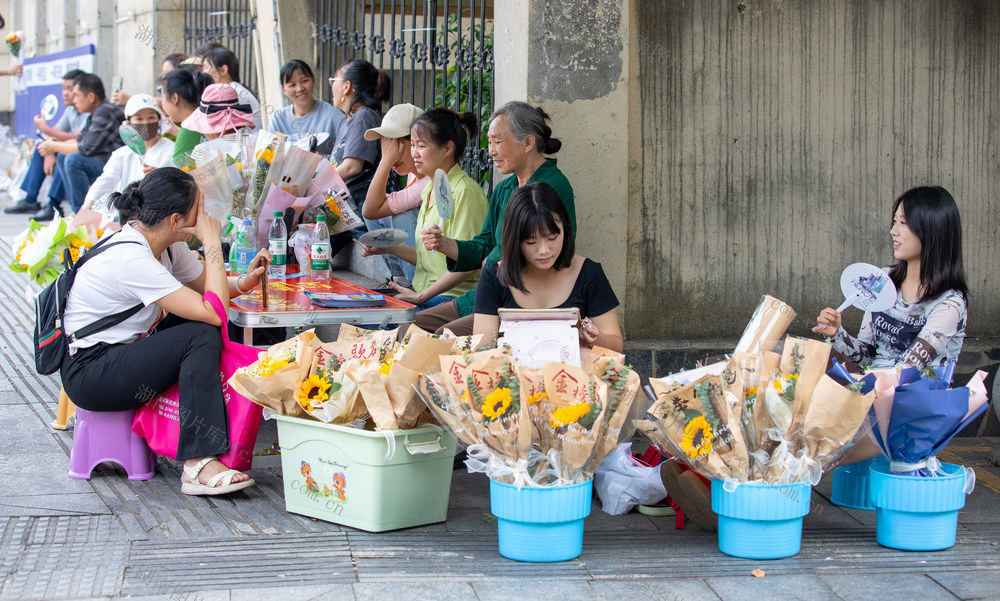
pixel 571 313
pixel 116 83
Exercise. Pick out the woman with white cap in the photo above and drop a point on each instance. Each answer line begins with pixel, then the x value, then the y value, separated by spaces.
pixel 142 114
pixel 220 112
pixel 395 209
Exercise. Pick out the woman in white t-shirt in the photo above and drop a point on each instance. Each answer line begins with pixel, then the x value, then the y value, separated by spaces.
pixel 125 366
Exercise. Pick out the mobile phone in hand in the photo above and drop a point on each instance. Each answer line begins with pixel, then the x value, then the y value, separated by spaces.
pixel 116 83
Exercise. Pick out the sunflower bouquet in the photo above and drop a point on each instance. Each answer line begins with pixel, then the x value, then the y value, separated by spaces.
pixel 38 250
pixel 759 414
pixel 528 426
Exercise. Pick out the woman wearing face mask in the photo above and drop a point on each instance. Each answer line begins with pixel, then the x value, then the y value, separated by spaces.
pixel 125 166
pixel 181 96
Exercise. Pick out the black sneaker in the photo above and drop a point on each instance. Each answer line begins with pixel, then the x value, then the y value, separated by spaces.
pixel 22 206
pixel 45 214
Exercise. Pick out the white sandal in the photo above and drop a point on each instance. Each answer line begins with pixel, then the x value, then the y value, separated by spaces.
pixel 195 487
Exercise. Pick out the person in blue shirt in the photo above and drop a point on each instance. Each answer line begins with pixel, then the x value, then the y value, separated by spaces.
pixel 67 128
pixel 307 114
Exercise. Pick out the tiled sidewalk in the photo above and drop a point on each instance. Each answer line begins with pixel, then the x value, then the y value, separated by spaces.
pixel 109 537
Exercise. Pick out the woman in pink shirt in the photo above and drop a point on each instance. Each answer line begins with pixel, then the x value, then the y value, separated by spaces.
pixel 395 209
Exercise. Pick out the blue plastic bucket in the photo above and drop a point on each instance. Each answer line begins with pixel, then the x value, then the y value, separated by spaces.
pixel 917 514
pixel 760 520
pixel 540 524
pixel 850 484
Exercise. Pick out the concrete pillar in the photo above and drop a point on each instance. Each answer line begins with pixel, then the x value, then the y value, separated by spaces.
pixel 106 44
pixel 285 31
pixel 576 61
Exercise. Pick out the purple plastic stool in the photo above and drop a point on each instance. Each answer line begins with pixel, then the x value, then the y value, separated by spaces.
pixel 101 436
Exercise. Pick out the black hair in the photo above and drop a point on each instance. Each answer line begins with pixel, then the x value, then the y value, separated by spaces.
pixel 289 69
pixel 204 48
pixel 524 120
pixel 176 59
pixel 224 56
pixel 534 209
pixel 371 86
pixel 443 125
pixel 90 83
pixel 73 74
pixel 163 192
pixel 188 85
pixel 2 22
pixel 932 215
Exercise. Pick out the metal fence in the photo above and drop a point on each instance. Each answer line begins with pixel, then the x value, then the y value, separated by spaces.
pixel 228 22
pixel 439 53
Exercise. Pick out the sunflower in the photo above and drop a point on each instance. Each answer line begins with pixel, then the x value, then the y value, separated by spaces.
pixel 267 154
pixel 313 390
pixel 266 367
pixel 564 416
pixel 497 403
pixel 537 397
pixel 384 367
pixel 698 437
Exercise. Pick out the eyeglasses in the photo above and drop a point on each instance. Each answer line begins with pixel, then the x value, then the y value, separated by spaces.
pixel 333 79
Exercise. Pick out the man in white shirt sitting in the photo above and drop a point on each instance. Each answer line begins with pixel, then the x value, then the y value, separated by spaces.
pixel 125 166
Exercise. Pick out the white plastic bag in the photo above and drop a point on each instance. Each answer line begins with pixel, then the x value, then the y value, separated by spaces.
pixel 622 484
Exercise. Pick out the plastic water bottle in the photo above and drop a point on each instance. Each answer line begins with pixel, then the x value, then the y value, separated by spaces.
pixel 319 250
pixel 277 243
pixel 246 245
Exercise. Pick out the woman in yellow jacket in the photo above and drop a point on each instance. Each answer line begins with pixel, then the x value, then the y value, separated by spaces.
pixel 437 139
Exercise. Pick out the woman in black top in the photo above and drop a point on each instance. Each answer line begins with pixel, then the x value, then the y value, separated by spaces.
pixel 539 270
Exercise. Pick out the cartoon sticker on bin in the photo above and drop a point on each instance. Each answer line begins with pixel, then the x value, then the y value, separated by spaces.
pixel 866 287
pixel 336 494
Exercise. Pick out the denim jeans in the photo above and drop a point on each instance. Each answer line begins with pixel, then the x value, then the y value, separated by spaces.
pixel 406 221
pixel 80 172
pixel 35 177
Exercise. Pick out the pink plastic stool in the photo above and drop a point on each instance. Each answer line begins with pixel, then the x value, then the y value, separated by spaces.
pixel 101 436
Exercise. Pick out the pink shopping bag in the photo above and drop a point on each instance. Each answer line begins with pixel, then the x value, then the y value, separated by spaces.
pixel 158 421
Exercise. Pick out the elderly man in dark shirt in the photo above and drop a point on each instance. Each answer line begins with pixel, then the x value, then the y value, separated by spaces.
pixel 86 156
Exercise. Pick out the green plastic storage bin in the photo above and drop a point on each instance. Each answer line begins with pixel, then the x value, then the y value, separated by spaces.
pixel 342 475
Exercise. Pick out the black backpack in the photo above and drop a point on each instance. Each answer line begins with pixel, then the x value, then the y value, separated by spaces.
pixel 51 341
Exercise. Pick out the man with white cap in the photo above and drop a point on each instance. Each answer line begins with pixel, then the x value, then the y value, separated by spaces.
pixel 395 209
pixel 125 165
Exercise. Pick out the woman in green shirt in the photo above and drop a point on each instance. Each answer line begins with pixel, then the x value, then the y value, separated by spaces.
pixel 519 140
pixel 181 96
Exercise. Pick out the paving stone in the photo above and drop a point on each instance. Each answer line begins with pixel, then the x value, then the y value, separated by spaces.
pixel 57 504
pixel 170 594
pixel 876 587
pixel 414 590
pixel 310 592
pixel 653 589
pixel 24 433
pixel 526 590
pixel 477 519
pixel 31 484
pixel 983 586
pixel 68 571
pixel 785 587
pixel 632 522
pixel 8 396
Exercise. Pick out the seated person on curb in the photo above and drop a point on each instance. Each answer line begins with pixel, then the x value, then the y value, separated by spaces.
pixel 67 128
pixel 926 324
pixel 116 369
pixel 437 138
pixel 397 209
pixel 180 96
pixel 519 141
pixel 539 270
pixel 307 114
pixel 223 66
pixel 125 166
pixel 86 156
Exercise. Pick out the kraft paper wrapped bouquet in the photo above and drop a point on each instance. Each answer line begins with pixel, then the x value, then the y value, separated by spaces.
pixel 538 427
pixel 364 378
pixel 759 414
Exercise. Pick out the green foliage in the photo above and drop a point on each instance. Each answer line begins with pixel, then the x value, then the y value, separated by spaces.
pixel 460 91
